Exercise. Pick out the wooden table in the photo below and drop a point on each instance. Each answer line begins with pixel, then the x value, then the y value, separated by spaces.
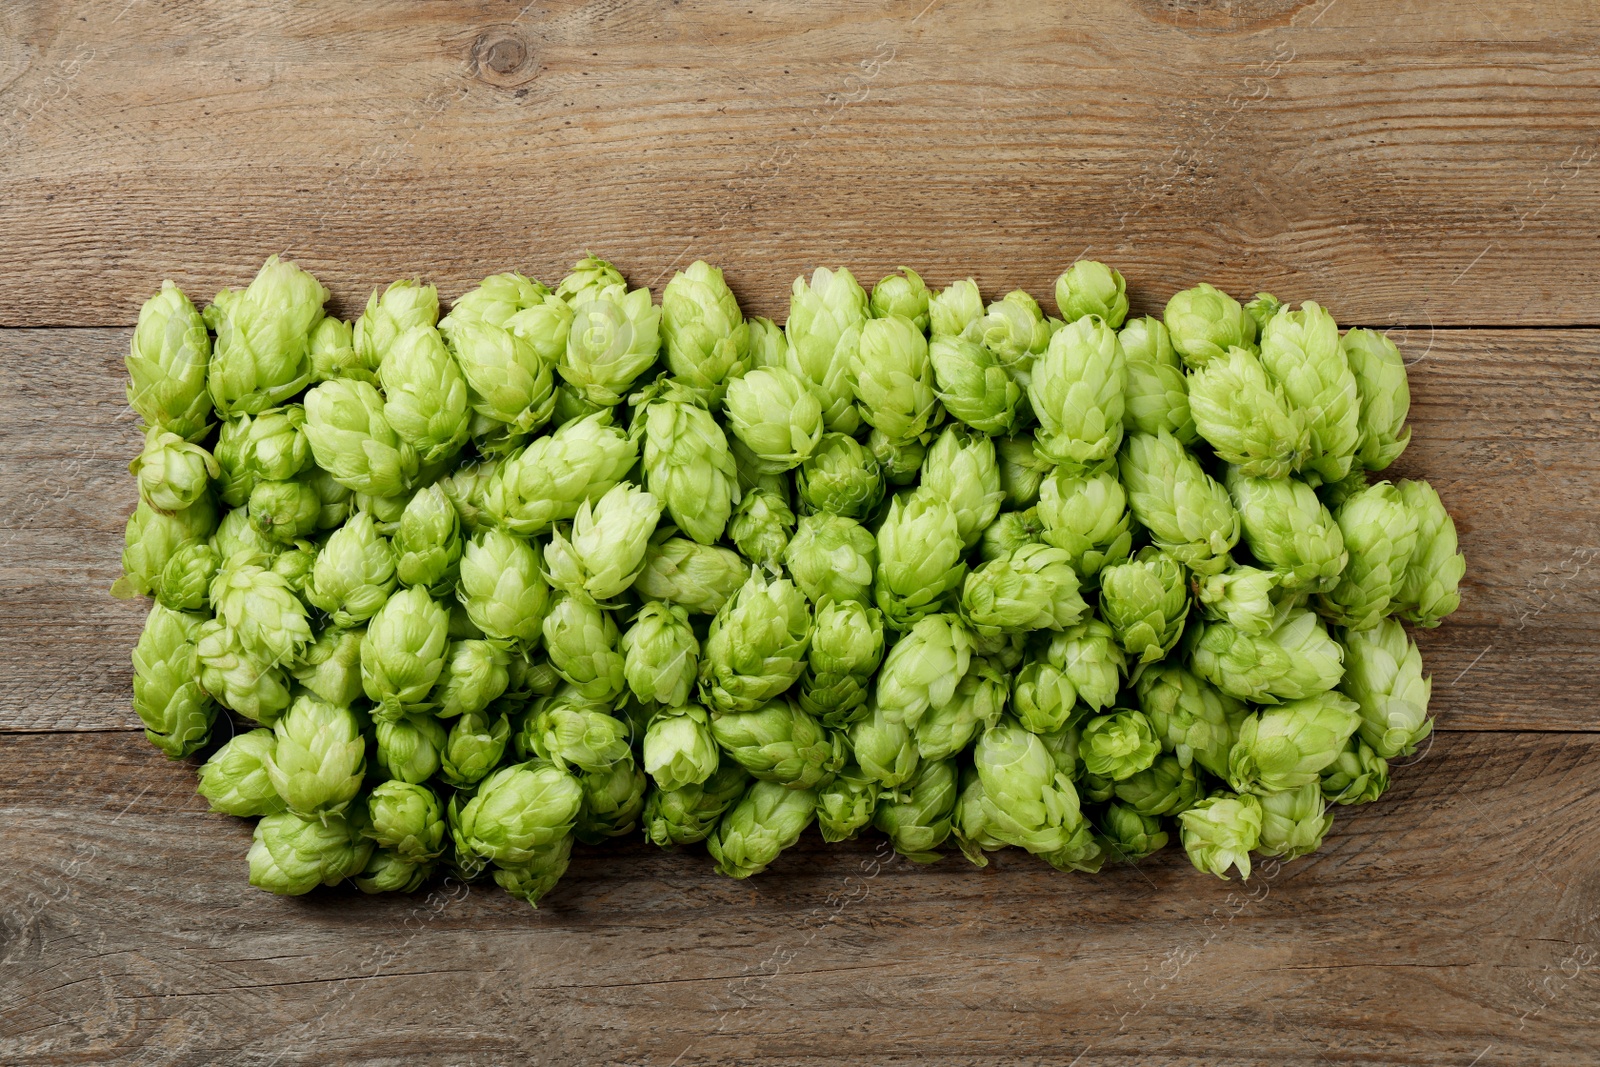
pixel 1424 166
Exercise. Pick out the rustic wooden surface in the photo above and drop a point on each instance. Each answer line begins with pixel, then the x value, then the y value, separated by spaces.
pixel 1422 165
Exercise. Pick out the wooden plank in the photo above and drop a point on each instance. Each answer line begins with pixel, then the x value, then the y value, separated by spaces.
pixel 1453 919
pixel 1503 425
pixel 1399 162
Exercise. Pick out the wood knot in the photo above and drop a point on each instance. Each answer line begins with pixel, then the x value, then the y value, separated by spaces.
pixel 501 57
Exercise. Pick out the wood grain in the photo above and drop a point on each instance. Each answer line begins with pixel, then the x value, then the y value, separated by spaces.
pixel 1504 423
pixel 1456 918
pixel 1410 163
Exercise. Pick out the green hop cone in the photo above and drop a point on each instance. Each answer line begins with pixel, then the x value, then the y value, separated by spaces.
pixel 1033 588
pixel 832 556
pixel 589 276
pixel 902 294
pixel 1380 376
pixel 679 748
pixel 1294 660
pixel 756 645
pixel 846 648
pixel 172 473
pixel 766 820
pixel 846 804
pixel 509 366
pixel 152 538
pixel 387 871
pixel 687 815
pixel 549 480
pixel 1130 836
pixel 1191 718
pixel 1241 596
pixel 1288 746
pixel 475 673
pixel 1293 822
pixel 337 501
pixel 1188 514
pixel 919 558
pixel 1358 776
pixel 167 694
pixel 1043 696
pixel 1088 517
pixel 973 386
pixel 761 526
pixel 705 334
pixel 1157 393
pixel 353 574
pixel 572 733
pixel 1220 831
pixel 605 551
pixel 410 747
pixel 885 750
pixel 234 453
pixel 1166 787
pixel 777 416
pixel 259 606
pixel 956 310
pixel 978 702
pixel 661 655
pixel 531 879
pixel 319 759
pixel 167 362
pixel 498 299
pixel 352 440
pixel 519 809
pixel 1380 533
pixel 425 394
pixel 1431 588
pixel 917 819
pixel 1009 532
pixel 403 650
pixel 236 678
pixel 185 581
pixel 1145 601
pixel 687 464
pixel 330 668
pixel 699 577
pixel 1091 288
pixel 1288 529
pixel 581 640
pixel 826 317
pixel 1077 393
pixel 1383 675
pixel 841 478
pixel 285 511
pixel 291 856
pixel 405 305
pixel 1246 417
pixel 1022 470
pixel 234 780
pixel 1300 351
pixel 427 542
pixel 262 356
pixel 238 542
pixel 1092 660
pixel 780 743
pixel 615 337
pixel 295 564
pixel 613 801
pixel 1027 799
pixel 333 352
pixel 961 468
pixel 1204 323
pixel 923 668
pixel 899 461
pixel 893 380
pixel 503 589
pixel 474 746
pixel 406 818
pixel 1015 330
pixel 768 345
pixel 1261 310
pixel 1118 745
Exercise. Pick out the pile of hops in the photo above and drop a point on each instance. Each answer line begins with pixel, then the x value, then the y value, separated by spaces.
pixel 572 565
